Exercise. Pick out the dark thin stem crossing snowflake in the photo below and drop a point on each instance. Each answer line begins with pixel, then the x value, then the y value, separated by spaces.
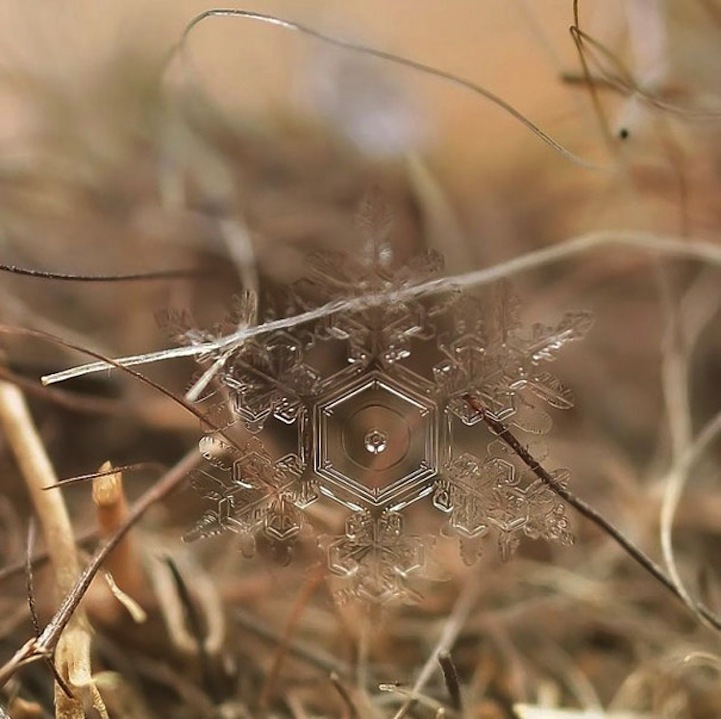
pixel 373 401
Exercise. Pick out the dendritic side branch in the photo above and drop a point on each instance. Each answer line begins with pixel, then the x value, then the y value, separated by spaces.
pixel 589 512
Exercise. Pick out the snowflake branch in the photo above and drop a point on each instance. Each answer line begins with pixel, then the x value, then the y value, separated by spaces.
pixel 589 512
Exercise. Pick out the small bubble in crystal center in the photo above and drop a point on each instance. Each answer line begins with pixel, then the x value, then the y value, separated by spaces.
pixel 375 441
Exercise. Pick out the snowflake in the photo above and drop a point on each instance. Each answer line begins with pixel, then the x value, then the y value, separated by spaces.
pixel 375 557
pixel 254 496
pixel 268 378
pixel 372 400
pixel 479 496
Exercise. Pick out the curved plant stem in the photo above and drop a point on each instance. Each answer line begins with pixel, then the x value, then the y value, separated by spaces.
pixel 387 57
pixel 126 277
pixel 44 645
pixel 73 647
pixel 672 246
pixel 636 553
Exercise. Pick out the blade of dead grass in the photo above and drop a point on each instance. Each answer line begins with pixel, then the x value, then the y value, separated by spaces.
pixel 72 653
pixel 670 245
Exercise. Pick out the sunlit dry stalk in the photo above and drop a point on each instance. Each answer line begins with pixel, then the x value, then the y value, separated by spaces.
pixel 674 484
pixel 125 580
pixel 678 349
pixel 43 645
pixel 675 383
pixel 72 653
pixel 671 245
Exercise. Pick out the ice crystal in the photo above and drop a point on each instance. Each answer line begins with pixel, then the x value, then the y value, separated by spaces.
pixel 375 557
pixel 374 400
pixel 479 496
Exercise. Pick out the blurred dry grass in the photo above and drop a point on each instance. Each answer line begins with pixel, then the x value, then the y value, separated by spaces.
pixel 83 189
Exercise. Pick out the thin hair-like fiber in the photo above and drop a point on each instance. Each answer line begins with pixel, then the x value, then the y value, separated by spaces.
pixel 388 57
pixel 127 277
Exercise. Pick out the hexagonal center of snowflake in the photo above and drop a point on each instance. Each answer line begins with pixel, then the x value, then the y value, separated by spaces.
pixel 376 442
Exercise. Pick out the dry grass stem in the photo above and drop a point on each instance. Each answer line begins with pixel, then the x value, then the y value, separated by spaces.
pixel 370 274
pixel 43 645
pixel 649 242
pixel 126 580
pixel 72 652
